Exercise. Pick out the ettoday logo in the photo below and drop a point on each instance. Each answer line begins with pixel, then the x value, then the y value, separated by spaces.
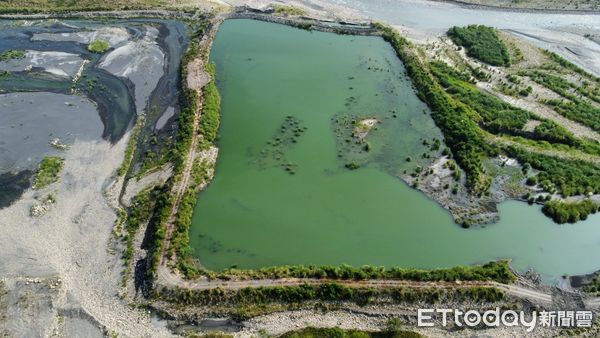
pixel 507 318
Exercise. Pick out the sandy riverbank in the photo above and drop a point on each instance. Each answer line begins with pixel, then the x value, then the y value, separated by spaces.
pixel 72 242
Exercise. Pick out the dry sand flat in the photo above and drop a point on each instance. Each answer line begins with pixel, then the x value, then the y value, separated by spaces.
pixel 71 242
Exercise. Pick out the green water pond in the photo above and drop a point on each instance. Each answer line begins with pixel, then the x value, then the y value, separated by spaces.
pixel 282 194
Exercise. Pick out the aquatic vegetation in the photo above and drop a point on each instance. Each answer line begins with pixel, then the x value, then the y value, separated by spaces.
pixel 12 55
pixel 572 212
pixel 47 172
pixel 274 153
pixel 98 46
pixel 482 43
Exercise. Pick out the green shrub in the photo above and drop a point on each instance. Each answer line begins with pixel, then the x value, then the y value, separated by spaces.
pixel 578 111
pixel 482 43
pixel 563 212
pixel 497 271
pixel 332 292
pixel 567 177
pixel 211 113
pixel 98 46
pixel 48 171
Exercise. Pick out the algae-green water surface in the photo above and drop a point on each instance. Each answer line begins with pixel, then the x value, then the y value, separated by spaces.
pixel 255 213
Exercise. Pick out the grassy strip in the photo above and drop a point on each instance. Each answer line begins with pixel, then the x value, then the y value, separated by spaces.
pixel 482 43
pixel 312 332
pixel 131 146
pixel 12 55
pixel 323 292
pixel 493 271
pixel 178 156
pixel 578 111
pixel 553 82
pixel 48 171
pixel 571 66
pixel 287 10
pixel 186 262
pixel 563 212
pixel 211 112
pixel 499 117
pixel 455 119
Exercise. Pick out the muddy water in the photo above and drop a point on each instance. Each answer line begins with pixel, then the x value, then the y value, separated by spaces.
pixel 256 213
pixel 140 73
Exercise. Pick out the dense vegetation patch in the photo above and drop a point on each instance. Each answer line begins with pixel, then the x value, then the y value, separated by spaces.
pixel 48 171
pixel 211 112
pixel 499 117
pixel 482 43
pixel 567 177
pixel 12 55
pixel 495 115
pixel 287 10
pixel 98 46
pixel 463 112
pixel 324 292
pixel 563 212
pixel 493 271
pixel 209 122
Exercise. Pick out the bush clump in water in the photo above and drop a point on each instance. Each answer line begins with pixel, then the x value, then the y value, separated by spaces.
pixel 98 46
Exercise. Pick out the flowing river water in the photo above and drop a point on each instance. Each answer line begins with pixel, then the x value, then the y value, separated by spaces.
pixel 285 197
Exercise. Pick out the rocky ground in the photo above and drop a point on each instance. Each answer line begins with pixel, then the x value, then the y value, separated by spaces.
pixel 63 262
pixel 544 5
